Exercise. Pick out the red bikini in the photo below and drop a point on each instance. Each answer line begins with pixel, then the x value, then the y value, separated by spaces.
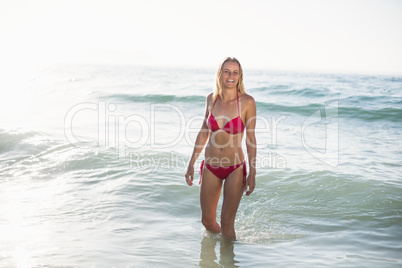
pixel 234 126
pixel 223 172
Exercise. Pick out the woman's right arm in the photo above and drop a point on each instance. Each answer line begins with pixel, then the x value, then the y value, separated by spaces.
pixel 200 142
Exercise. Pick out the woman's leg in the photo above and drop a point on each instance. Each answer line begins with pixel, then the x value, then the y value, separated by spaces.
pixel 210 191
pixel 232 193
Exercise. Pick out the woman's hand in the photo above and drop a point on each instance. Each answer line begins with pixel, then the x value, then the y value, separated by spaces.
pixel 190 175
pixel 250 184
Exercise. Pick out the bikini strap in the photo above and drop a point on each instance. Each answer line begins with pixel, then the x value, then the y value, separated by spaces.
pixel 238 110
pixel 213 104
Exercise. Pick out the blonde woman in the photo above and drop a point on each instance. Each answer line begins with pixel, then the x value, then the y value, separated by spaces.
pixel 229 110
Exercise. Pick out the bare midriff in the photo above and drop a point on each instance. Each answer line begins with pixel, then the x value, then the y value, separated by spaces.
pixel 224 149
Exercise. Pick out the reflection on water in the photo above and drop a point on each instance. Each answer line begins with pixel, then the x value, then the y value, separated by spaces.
pixel 208 256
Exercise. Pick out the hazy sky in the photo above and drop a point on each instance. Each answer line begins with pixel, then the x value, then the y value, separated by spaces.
pixel 344 36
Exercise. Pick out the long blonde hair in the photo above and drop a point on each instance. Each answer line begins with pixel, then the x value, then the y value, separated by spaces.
pixel 218 81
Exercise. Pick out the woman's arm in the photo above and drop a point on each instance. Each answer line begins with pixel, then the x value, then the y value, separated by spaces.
pixel 251 144
pixel 200 142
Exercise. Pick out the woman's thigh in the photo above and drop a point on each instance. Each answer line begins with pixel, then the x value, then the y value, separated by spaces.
pixel 210 192
pixel 232 193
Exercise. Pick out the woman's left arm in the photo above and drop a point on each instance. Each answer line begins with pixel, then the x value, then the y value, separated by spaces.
pixel 251 143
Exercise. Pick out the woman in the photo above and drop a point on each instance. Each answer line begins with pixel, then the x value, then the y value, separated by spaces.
pixel 229 110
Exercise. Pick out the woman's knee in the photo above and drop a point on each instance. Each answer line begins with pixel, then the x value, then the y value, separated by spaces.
pixel 208 223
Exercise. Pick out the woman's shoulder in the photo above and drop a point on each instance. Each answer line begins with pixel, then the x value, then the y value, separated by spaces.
pixel 247 99
pixel 210 95
pixel 209 100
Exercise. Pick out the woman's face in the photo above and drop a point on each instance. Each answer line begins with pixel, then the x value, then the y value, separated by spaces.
pixel 230 74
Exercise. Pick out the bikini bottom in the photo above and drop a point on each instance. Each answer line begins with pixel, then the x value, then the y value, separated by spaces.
pixel 223 172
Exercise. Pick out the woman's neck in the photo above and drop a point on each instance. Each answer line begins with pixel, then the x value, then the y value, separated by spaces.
pixel 229 94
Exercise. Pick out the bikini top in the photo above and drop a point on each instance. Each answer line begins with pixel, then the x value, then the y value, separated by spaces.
pixel 234 126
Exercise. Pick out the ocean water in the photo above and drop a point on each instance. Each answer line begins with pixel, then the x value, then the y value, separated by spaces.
pixel 92 163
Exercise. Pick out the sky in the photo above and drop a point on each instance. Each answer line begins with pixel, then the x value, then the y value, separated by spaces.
pixel 353 36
